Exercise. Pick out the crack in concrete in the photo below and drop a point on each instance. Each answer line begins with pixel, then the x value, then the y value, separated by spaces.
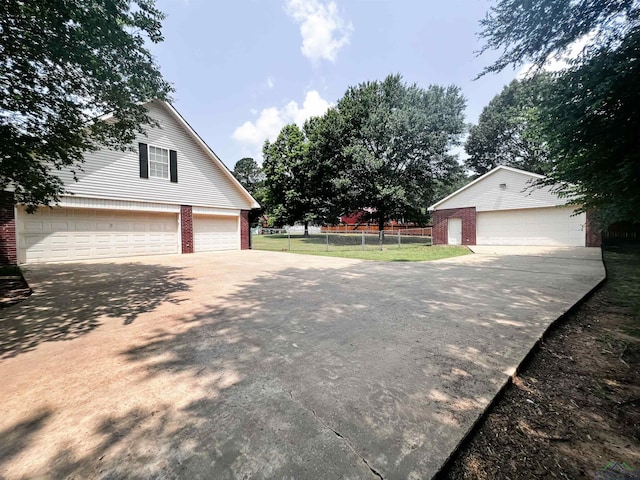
pixel 348 442
pixel 339 435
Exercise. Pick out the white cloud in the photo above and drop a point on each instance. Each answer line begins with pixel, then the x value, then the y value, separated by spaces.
pixel 251 135
pixel 323 31
pixel 270 82
pixel 557 63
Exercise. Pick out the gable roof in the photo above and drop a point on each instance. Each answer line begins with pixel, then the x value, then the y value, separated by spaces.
pixel 198 139
pixel 214 158
pixel 482 177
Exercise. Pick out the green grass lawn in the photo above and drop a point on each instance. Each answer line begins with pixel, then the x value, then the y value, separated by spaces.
pixel 623 272
pixel 412 249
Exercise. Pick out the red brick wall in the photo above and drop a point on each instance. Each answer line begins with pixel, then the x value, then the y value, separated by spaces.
pixel 186 228
pixel 244 230
pixel 8 247
pixel 593 231
pixel 441 225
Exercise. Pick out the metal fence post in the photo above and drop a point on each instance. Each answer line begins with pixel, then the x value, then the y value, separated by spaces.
pixel 327 242
pixel 289 237
pixel 398 238
pixel 362 239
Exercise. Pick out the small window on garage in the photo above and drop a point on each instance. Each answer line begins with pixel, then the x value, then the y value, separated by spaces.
pixel 158 162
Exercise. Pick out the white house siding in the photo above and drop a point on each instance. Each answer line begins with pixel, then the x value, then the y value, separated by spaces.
pixel 535 226
pixel 116 175
pixel 487 195
pixel 108 204
pixel 215 211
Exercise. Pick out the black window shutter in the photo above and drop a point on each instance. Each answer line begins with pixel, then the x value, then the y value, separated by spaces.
pixel 173 165
pixel 144 160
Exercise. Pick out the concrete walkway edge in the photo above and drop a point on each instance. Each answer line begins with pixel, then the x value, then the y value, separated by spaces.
pixel 535 348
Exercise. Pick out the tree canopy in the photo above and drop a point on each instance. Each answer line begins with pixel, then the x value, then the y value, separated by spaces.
pixel 63 65
pixel 249 174
pixel 392 143
pixel 292 184
pixel 534 31
pixel 251 177
pixel 508 130
pixel 591 120
pixel 589 117
pixel 383 149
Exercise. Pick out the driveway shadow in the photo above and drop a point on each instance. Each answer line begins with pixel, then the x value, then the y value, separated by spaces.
pixel 367 371
pixel 70 300
pixel 16 438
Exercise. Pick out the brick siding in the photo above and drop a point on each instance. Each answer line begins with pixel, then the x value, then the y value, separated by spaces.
pixel 441 225
pixel 593 231
pixel 8 247
pixel 186 228
pixel 244 230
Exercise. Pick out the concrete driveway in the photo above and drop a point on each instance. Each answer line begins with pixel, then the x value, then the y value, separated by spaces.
pixel 268 365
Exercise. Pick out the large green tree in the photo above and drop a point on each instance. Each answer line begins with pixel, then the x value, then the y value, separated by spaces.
pixel 293 182
pixel 591 115
pixel 455 179
pixel 508 130
pixel 63 65
pixel 251 177
pixel 249 174
pixel 592 120
pixel 392 144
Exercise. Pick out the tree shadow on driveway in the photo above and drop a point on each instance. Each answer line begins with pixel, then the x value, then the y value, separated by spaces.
pixel 363 371
pixel 17 437
pixel 71 300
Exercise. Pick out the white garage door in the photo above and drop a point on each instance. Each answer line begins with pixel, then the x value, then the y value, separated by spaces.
pixel 535 226
pixel 60 234
pixel 215 233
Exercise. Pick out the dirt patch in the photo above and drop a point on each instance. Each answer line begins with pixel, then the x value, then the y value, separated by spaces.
pixel 576 406
pixel 13 287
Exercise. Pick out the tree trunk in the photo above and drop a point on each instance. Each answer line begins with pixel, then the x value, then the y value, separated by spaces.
pixel 381 230
pixel 306 229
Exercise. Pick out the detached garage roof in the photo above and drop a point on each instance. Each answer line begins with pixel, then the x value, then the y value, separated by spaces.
pixel 503 188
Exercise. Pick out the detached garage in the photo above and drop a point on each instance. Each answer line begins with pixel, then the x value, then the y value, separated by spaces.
pixel 503 207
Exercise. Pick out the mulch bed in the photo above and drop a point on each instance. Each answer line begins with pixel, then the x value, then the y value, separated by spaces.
pixel 13 289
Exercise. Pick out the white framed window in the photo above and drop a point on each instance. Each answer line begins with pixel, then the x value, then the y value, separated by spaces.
pixel 158 162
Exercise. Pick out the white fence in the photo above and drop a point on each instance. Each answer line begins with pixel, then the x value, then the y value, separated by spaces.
pixel 269 239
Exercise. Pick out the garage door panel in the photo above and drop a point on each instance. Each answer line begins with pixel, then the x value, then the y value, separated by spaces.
pixel 540 226
pixel 29 240
pixel 76 234
pixel 82 239
pixel 35 227
pixel 212 233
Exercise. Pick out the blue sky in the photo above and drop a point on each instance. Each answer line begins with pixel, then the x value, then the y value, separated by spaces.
pixel 242 69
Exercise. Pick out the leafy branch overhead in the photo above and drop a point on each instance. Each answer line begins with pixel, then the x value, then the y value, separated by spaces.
pixel 535 31
pixel 589 116
pixel 508 130
pixel 62 66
